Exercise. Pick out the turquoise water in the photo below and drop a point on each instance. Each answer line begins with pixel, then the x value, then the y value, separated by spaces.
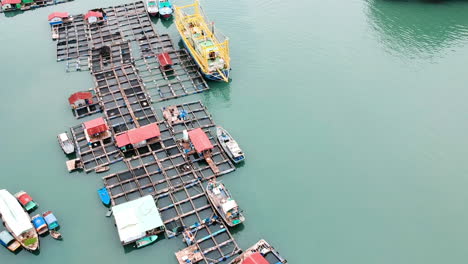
pixel 353 116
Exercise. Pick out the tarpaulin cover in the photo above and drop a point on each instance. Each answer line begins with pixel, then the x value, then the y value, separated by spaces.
pixel 255 258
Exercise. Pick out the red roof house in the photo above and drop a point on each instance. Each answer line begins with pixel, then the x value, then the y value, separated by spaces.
pixel 200 140
pixel 165 60
pixel 95 126
pixel 11 2
pixel 138 135
pixel 255 258
pixel 79 98
pixel 93 14
pixel 58 15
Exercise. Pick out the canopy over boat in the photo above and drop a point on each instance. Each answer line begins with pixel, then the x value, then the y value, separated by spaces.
pixel 50 218
pixel 39 222
pixel 25 199
pixel 6 238
pixel 229 205
pixel 255 258
pixel 13 214
pixel 135 218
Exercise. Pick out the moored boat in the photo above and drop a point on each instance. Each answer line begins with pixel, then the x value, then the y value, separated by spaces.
pixel 231 147
pixel 104 195
pixel 8 241
pixel 152 7
pixel 146 241
pixel 26 201
pixel 17 221
pixel 101 169
pixel 261 252
pixel 51 220
pixel 40 224
pixel 65 143
pixel 210 50
pixel 165 9
pixel 226 206
pixel 55 234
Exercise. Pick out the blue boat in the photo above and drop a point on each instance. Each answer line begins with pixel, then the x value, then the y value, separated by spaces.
pixel 165 9
pixel 104 195
pixel 40 224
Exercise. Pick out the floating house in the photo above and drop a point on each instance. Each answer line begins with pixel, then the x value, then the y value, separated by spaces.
pixel 80 99
pixel 138 137
pixel 137 219
pixel 200 141
pixel 96 129
pixel 165 61
pixel 58 18
pixel 94 17
pixel 9 5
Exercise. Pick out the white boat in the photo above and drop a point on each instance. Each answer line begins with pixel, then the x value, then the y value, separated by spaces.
pixel 17 221
pixel 165 9
pixel 66 143
pixel 226 206
pixel 152 7
pixel 229 145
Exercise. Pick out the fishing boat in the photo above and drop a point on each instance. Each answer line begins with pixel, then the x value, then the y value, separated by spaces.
pixel 226 206
pixel 66 143
pixel 229 145
pixel 52 224
pixel 17 221
pixel 26 201
pixel 152 7
pixel 104 195
pixel 165 9
pixel 40 224
pixel 8 241
pixel 101 169
pixel 261 252
pixel 146 241
pixel 210 50
pixel 55 234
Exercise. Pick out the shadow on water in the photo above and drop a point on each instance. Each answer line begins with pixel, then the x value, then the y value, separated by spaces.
pixel 236 229
pixel 419 28
pixel 166 22
pixel 13 13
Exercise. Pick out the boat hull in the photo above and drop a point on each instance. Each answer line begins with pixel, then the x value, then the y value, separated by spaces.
pixel 217 206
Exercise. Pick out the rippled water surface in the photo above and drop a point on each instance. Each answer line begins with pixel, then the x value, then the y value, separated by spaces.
pixel 353 115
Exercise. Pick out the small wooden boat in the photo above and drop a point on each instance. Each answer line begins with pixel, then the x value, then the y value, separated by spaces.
pixel 8 241
pixel 165 9
pixel 104 195
pixel 66 143
pixel 152 7
pixel 229 145
pixel 261 252
pixel 101 169
pixel 26 201
pixel 40 224
pixel 146 241
pixel 55 234
pixel 226 206
pixel 17 221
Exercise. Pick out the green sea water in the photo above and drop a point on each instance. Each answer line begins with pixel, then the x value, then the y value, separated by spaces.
pixel 353 116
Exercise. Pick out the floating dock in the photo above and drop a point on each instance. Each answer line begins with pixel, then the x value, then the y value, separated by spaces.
pixel 134 67
pixel 36 4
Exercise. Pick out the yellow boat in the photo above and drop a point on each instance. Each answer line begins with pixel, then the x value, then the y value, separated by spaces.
pixel 209 49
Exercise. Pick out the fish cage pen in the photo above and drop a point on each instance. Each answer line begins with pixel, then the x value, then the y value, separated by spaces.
pixel 182 78
pixel 87 109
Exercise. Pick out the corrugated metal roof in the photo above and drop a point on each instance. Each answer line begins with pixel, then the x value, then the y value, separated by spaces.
pixel 200 140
